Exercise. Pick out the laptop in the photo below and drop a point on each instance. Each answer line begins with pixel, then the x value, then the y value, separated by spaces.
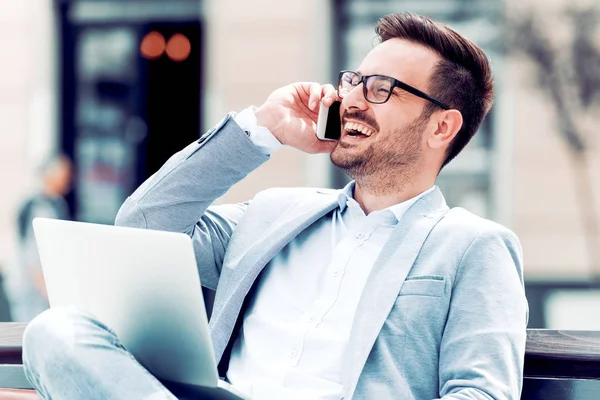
pixel 144 285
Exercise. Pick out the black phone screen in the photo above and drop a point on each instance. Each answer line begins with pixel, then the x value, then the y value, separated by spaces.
pixel 333 129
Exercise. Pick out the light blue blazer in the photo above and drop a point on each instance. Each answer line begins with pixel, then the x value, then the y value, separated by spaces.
pixel 443 313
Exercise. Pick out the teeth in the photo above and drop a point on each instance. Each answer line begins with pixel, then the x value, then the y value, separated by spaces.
pixel 358 127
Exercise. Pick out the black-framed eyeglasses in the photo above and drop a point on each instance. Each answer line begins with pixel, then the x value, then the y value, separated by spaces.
pixel 377 89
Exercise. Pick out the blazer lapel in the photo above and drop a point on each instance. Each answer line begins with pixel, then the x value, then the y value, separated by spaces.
pixel 386 279
pixel 284 229
pixel 254 259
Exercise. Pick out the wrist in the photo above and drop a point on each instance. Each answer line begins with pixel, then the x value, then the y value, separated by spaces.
pixel 264 117
pixel 259 135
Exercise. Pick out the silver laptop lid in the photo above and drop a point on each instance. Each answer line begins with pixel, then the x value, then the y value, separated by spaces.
pixel 143 284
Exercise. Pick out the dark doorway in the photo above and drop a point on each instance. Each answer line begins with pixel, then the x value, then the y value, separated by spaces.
pixel 173 92
pixel 124 112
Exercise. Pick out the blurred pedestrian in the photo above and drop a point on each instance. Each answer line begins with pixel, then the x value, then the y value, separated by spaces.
pixel 26 288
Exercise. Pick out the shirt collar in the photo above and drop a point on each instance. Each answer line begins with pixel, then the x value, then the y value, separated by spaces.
pixel 401 208
pixel 397 209
pixel 345 194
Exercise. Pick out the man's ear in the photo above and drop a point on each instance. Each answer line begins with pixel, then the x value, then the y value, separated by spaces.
pixel 449 123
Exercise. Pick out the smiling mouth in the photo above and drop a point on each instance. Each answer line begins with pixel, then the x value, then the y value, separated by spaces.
pixel 356 129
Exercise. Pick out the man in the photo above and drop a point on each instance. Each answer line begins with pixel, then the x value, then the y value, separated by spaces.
pixel 26 287
pixel 376 291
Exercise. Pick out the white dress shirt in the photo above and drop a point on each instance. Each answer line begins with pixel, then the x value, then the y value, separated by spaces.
pixel 296 327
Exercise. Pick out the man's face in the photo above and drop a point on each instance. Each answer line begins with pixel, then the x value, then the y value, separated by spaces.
pixel 396 142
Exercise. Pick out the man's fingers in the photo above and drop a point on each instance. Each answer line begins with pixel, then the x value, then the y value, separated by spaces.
pixel 328 101
pixel 328 91
pixel 325 146
pixel 315 96
pixel 329 95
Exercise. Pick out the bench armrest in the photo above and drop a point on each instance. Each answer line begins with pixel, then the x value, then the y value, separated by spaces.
pixel 11 341
pixel 562 354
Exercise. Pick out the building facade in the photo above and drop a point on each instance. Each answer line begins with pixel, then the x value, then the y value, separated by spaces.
pixel 516 171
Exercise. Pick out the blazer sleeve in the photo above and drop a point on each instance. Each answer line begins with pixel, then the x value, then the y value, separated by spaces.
pixel 483 346
pixel 177 197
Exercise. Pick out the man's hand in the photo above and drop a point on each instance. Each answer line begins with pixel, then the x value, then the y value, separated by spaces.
pixel 291 113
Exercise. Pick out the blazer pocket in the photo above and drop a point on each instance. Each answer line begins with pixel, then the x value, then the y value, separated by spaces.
pixel 432 286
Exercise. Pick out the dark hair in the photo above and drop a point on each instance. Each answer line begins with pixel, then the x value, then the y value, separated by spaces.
pixel 463 79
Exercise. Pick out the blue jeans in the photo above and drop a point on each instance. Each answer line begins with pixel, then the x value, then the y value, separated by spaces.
pixel 67 354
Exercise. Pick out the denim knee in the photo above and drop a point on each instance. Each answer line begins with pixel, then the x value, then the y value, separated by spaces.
pixel 50 337
pixel 69 354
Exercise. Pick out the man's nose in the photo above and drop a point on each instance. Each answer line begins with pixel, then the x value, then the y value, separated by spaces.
pixel 355 99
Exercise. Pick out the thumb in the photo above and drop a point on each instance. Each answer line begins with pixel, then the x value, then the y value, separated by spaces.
pixel 325 146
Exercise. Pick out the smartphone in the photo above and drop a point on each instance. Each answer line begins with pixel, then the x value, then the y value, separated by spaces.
pixel 329 126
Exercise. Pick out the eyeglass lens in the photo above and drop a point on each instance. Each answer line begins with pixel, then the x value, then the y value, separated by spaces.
pixel 377 88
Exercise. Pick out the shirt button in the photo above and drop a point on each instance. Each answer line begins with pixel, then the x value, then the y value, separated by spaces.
pixel 293 353
pixel 336 273
pixel 359 235
pixel 311 318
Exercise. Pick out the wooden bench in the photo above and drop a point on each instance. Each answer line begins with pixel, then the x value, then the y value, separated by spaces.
pixel 562 365
pixel 559 365
pixel 13 384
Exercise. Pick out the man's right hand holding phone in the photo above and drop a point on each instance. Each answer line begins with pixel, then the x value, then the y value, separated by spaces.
pixel 291 112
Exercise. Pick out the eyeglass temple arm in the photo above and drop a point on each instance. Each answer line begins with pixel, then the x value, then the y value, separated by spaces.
pixel 418 93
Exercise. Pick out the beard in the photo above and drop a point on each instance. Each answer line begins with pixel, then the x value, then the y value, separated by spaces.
pixel 395 153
